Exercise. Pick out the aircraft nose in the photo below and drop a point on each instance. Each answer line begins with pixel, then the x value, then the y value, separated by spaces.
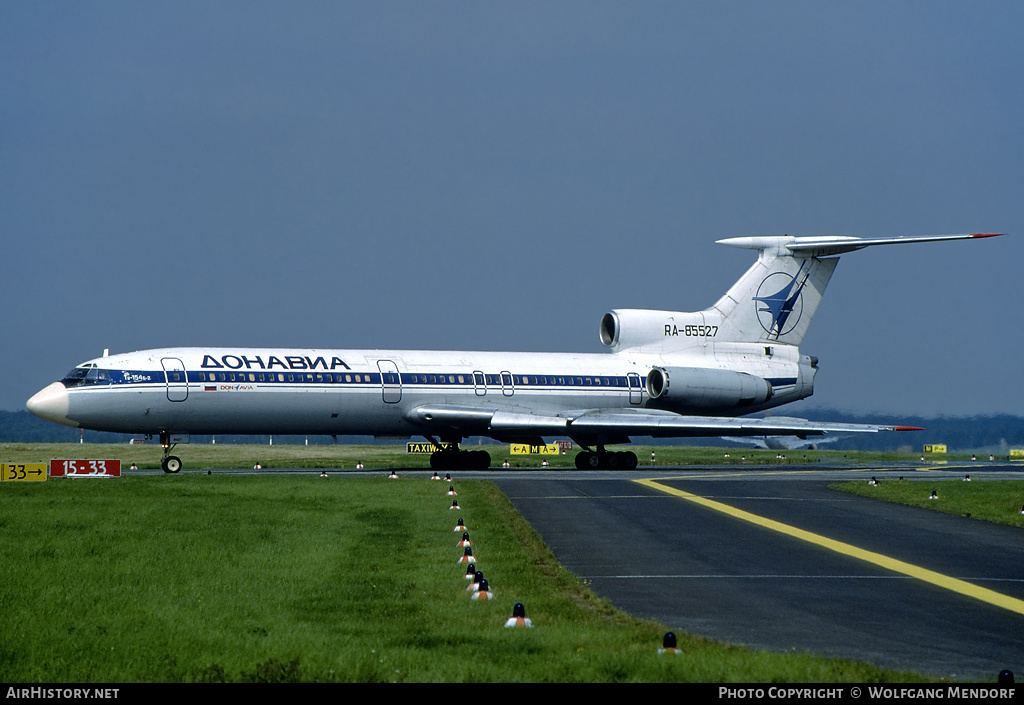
pixel 51 403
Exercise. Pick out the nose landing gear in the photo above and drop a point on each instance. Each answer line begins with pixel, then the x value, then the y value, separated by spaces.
pixel 170 464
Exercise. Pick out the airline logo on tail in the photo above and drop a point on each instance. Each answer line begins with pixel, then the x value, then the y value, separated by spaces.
pixel 778 313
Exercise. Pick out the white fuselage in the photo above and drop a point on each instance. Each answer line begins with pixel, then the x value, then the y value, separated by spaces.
pixel 371 392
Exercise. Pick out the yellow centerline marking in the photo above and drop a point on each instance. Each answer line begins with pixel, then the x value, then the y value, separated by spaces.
pixel 929 576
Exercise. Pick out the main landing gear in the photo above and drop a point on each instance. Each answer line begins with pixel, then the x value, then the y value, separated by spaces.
pixel 170 463
pixel 604 460
pixel 451 458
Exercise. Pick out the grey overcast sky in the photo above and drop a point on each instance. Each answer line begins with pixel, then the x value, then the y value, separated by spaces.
pixel 497 175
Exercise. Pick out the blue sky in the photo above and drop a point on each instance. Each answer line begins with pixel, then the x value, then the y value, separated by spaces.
pixel 492 175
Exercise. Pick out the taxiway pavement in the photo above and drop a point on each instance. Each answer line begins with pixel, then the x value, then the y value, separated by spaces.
pixel 759 576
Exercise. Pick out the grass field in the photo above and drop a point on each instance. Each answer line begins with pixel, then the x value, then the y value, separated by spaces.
pixel 998 501
pixel 204 456
pixel 300 578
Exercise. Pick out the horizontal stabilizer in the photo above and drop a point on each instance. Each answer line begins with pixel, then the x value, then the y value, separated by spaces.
pixel 835 244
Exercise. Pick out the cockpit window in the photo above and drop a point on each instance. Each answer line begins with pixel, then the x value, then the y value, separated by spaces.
pixel 86 375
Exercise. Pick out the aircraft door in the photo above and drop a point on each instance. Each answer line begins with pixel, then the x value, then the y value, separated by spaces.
pixel 479 383
pixel 507 387
pixel 390 381
pixel 636 388
pixel 177 379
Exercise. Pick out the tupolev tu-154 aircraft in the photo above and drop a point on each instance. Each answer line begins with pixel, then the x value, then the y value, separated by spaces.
pixel 667 374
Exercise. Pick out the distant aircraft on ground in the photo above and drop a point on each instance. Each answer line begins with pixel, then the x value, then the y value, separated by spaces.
pixel 668 374
pixel 783 442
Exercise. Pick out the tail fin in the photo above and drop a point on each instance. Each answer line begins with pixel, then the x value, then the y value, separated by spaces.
pixel 777 297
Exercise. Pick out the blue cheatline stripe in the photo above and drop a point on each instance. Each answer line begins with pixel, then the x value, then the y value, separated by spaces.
pixel 407 379
pixel 307 377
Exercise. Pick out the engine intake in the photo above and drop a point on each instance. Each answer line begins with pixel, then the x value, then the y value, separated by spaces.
pixel 701 388
pixel 626 328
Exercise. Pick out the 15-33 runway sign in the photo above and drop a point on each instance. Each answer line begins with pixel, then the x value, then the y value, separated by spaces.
pixel 85 468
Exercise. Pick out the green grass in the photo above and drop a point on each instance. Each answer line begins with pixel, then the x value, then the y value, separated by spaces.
pixel 301 578
pixel 998 501
pixel 205 456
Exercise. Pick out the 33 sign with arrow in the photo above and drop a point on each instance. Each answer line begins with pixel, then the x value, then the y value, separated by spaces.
pixel 22 472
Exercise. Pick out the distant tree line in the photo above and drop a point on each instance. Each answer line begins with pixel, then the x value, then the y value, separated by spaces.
pixel 983 434
pixel 994 434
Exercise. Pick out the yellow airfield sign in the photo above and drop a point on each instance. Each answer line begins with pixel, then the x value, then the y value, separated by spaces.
pixel 935 448
pixel 527 449
pixel 426 448
pixel 22 472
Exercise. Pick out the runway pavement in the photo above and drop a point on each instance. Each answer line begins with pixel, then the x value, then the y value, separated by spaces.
pixel 771 558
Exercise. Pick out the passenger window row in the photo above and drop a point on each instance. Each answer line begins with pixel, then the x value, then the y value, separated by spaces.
pixel 83 376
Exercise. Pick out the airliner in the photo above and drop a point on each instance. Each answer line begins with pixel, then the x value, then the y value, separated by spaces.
pixel 665 374
pixel 783 442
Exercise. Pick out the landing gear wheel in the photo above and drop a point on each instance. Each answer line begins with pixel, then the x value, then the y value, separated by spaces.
pixel 589 460
pixel 171 464
pixel 438 461
pixel 460 460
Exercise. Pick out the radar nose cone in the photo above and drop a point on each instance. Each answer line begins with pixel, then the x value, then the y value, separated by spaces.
pixel 51 403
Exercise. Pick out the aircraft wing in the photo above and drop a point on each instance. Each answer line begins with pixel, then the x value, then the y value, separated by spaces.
pixel 668 425
pixel 622 423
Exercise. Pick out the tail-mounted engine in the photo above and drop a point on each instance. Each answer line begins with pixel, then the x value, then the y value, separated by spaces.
pixel 623 329
pixel 699 388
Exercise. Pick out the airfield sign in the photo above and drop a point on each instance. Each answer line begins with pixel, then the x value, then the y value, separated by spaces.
pixel 85 468
pixel 22 472
pixel 425 448
pixel 528 449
